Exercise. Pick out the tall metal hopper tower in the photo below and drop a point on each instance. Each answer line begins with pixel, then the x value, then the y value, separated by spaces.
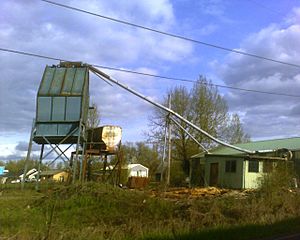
pixel 62 111
pixel 62 108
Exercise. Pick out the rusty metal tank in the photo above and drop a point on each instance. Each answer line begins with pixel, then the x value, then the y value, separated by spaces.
pixel 104 139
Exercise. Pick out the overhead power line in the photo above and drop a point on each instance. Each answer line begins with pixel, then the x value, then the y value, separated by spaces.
pixel 30 54
pixel 172 34
pixel 149 74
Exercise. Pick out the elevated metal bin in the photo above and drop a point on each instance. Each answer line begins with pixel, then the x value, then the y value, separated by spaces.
pixel 104 139
pixel 62 101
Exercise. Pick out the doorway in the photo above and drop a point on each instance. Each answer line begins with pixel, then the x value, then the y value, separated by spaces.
pixel 214 174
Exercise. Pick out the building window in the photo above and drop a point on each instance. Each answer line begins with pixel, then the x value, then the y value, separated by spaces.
pixel 230 166
pixel 253 166
pixel 267 166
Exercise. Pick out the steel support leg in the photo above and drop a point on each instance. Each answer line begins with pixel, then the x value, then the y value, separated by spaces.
pixel 77 152
pixel 28 154
pixel 39 169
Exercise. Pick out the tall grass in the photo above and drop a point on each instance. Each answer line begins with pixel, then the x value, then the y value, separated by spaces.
pixel 98 211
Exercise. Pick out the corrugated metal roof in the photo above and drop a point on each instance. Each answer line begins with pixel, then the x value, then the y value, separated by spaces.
pixel 265 145
pixel 63 81
pixel 133 165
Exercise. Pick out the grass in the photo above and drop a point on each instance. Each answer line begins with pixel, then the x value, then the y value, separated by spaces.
pixel 98 211
pixel 246 232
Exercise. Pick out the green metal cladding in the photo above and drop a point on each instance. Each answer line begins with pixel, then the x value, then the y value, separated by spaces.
pixel 292 143
pixel 62 101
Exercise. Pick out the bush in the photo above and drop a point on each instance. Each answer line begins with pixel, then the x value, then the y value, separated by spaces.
pixel 281 178
pixel 177 176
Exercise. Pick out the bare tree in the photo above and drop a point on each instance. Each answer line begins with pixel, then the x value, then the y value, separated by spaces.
pixel 93 119
pixel 234 132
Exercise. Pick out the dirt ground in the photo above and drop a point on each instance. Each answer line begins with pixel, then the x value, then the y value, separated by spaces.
pixel 194 193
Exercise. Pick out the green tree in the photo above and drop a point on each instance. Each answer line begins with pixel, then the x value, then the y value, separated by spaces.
pixel 182 146
pixel 142 153
pixel 16 167
pixel 205 107
pixel 209 110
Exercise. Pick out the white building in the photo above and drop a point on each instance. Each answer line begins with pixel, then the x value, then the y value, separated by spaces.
pixel 137 170
pixel 30 175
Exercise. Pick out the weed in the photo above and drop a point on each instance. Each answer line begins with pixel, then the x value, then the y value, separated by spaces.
pixel 99 211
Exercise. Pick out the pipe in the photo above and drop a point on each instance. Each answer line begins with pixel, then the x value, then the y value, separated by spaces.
pixel 191 136
pixel 95 70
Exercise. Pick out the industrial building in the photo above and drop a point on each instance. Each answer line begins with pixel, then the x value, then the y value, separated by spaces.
pixel 229 168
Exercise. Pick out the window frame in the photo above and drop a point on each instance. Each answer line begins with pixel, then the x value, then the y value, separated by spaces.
pixel 253 166
pixel 230 166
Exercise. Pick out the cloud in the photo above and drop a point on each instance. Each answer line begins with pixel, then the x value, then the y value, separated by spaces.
pixel 18 151
pixel 69 34
pixel 23 147
pixel 215 9
pixel 207 30
pixel 49 30
pixel 266 115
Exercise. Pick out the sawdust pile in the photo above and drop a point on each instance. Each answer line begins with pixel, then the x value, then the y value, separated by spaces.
pixel 191 193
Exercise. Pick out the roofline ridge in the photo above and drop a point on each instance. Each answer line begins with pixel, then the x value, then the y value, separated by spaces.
pixel 267 140
pixel 253 142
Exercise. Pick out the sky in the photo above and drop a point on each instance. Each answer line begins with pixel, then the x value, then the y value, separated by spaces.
pixel 266 28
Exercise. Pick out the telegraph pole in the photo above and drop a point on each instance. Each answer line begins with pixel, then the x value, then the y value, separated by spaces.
pixel 169 142
pixel 164 152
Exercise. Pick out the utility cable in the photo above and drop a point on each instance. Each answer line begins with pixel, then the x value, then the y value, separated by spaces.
pixel 172 34
pixel 150 75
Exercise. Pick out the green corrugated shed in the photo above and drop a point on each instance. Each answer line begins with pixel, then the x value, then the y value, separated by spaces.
pixel 62 100
pixel 217 164
pixel 265 145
